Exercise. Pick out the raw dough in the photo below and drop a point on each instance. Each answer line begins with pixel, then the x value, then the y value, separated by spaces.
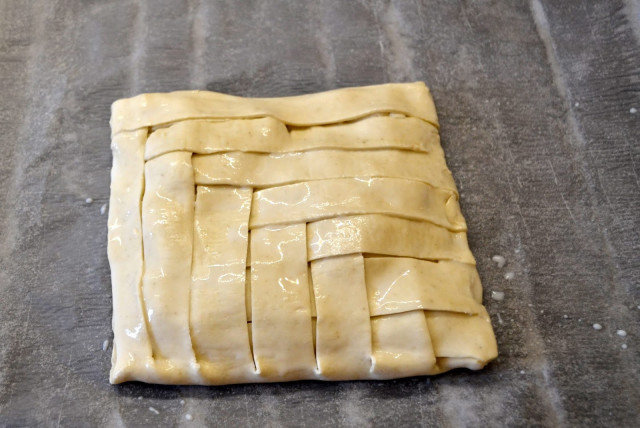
pixel 277 239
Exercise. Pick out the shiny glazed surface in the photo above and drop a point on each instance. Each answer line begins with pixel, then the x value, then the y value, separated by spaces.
pixel 314 237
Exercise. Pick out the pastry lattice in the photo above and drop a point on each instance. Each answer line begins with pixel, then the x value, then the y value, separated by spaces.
pixel 310 237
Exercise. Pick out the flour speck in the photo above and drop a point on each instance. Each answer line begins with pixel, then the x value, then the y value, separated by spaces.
pixel 88 200
pixel 522 372
pixel 499 260
pixel 497 295
pixel 565 316
pixel 621 333
pixel 188 417
pixel 633 110
pixel 597 326
pixel 509 275
pixel 103 209
pixel 182 402
pixel 153 410
pixel 105 345
pixel 577 104
pixel 623 346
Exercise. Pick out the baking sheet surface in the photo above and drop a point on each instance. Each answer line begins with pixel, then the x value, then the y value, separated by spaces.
pixel 535 102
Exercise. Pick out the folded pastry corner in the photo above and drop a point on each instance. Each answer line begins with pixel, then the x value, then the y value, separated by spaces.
pixel 276 239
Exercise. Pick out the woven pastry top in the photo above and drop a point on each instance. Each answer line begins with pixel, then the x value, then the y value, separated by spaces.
pixel 277 239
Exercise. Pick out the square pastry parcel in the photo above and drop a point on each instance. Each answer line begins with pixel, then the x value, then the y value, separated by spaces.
pixel 276 239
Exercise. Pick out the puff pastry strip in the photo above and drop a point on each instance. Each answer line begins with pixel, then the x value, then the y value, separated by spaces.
pixel 268 170
pixel 402 345
pixel 384 235
pixel 269 135
pixel 399 284
pixel 343 329
pixel 167 225
pixel 339 105
pixel 132 355
pixel 462 339
pixel 396 284
pixel 280 304
pixel 315 200
pixel 218 320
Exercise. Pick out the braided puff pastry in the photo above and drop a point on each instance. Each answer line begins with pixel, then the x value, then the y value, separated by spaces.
pixel 277 239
